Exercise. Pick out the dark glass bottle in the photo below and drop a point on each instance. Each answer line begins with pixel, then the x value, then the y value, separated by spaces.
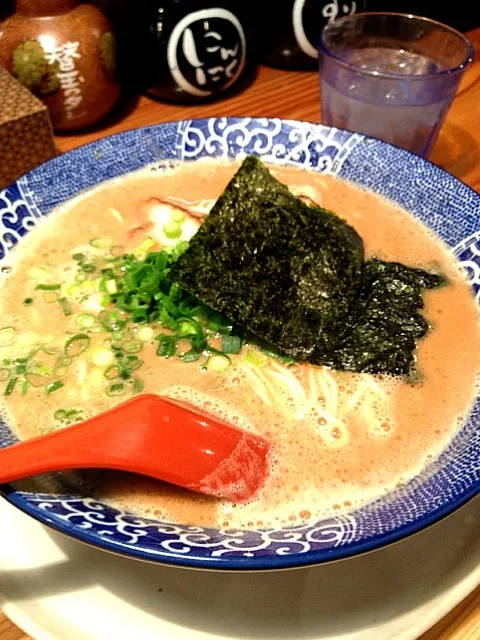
pixel 464 16
pixel 290 29
pixel 191 51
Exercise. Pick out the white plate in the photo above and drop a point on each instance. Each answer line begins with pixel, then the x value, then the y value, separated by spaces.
pixel 59 589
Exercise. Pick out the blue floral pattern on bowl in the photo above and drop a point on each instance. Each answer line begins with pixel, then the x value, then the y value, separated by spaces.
pixel 442 202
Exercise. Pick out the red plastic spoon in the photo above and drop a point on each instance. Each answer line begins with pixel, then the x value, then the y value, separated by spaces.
pixel 152 436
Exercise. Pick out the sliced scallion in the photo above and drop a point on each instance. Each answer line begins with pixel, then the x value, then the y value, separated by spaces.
pixel 47 287
pixel 67 310
pixel 111 372
pixel 138 385
pixel 177 215
pixel 37 379
pixel 172 230
pixel 8 336
pixel 218 363
pixel 88 267
pixel 111 286
pixel 10 386
pixel 76 345
pixel 166 346
pixel 60 414
pixel 190 356
pixel 78 257
pixel 27 302
pixel 231 344
pixel 53 386
pixel 116 389
pixel 50 296
pixel 85 320
pixel 101 243
pixel 24 387
pixel 102 357
pixel 132 346
pixel 145 334
pixel 257 358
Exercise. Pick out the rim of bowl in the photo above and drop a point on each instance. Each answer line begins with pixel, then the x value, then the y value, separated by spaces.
pixel 240 563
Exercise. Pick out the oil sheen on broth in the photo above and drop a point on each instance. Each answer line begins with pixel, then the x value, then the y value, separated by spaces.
pixel 339 439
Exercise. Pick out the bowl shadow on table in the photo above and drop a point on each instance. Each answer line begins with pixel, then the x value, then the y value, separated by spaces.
pixel 456 151
pixel 330 599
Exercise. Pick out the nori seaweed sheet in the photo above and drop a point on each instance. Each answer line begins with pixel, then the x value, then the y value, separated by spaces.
pixel 294 276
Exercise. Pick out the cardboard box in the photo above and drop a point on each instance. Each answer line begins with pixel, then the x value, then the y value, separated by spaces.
pixel 26 134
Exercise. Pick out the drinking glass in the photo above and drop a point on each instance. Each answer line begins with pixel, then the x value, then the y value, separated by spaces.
pixel 391 76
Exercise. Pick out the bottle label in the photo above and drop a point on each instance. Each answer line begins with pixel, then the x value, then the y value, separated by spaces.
pixel 307 25
pixel 206 51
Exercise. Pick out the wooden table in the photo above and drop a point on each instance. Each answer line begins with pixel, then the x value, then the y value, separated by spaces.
pixel 295 95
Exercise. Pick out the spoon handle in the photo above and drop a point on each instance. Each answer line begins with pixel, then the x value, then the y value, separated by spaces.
pixel 152 436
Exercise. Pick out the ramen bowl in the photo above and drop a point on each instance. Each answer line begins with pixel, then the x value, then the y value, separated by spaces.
pixel 439 200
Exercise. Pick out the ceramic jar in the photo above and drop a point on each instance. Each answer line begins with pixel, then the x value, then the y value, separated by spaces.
pixel 192 51
pixel 65 53
pixel 291 29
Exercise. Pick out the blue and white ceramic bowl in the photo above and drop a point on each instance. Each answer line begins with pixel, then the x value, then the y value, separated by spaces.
pixel 438 199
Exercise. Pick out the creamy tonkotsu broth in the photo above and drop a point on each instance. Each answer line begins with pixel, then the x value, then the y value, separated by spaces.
pixel 339 439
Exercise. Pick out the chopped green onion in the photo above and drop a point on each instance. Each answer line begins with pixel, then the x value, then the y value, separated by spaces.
pixel 20 360
pixel 134 346
pixel 256 358
pixel 36 379
pixel 138 385
pixel 231 344
pixel 101 243
pixel 78 257
pixel 117 335
pixel 4 374
pixel 8 336
pixel 146 245
pixel 102 357
pixel 145 334
pixel 116 389
pixel 65 306
pixel 53 386
pixel 61 366
pixel 71 412
pixel 28 301
pixel 10 386
pixel 178 216
pixel 166 346
pixel 190 356
pixel 87 267
pixel 85 320
pixel 20 369
pixel 172 230
pixel 50 296
pixel 60 414
pixel 134 362
pixel 218 363
pixel 47 287
pixel 76 345
pixel 6 362
pixel 24 387
pixel 81 277
pixel 111 286
pixel 111 372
